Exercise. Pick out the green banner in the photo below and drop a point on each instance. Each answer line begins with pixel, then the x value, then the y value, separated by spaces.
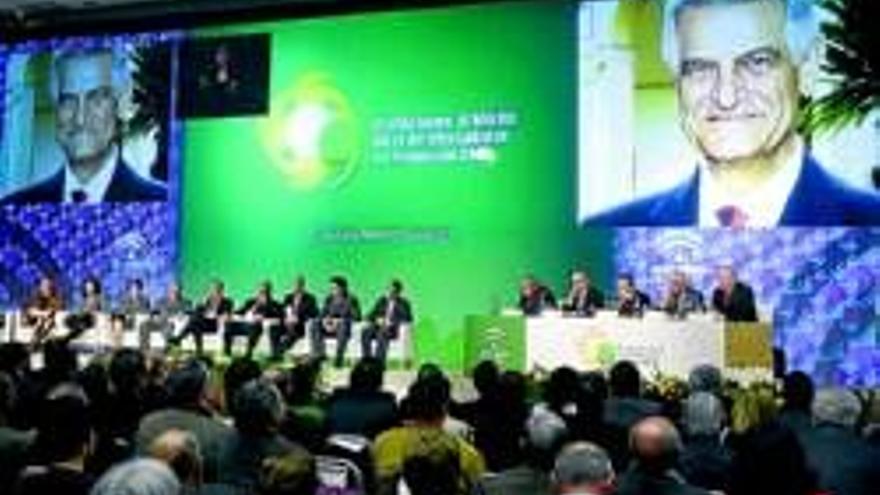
pixel 497 338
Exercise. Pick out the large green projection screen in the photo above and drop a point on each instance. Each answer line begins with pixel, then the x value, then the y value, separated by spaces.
pixel 434 145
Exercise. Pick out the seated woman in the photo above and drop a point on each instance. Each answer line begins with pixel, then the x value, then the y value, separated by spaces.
pixel 40 310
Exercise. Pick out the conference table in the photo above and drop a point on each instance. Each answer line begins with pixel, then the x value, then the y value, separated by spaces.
pixel 656 343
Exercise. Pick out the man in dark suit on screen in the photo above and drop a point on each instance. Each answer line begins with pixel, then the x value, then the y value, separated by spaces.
pixel 732 298
pixel 87 86
pixel 737 66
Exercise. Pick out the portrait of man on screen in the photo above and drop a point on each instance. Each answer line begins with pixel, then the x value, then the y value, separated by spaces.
pixel 737 67
pixel 87 88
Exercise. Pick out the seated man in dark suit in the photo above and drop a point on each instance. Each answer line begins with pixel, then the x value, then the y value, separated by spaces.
pixel 535 297
pixel 341 309
pixel 89 85
pixel 681 298
pixel 208 317
pixel 250 318
pixel 583 298
pixel 630 300
pixel 732 298
pixel 134 302
pixel 754 169
pixel 174 305
pixel 384 320
pixel 300 307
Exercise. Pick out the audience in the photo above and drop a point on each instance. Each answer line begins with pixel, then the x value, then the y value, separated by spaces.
pixel 189 410
pixel 583 469
pixel 705 461
pixel 62 446
pixel 161 425
pixel 138 477
pixel 257 409
pixel 363 408
pixel 845 463
pixel 655 446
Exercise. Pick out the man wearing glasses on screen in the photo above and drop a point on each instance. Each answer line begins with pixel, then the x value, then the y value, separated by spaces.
pixel 87 86
pixel 737 65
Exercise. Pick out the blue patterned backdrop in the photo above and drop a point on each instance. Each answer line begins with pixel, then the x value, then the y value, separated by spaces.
pixel 115 242
pixel 821 285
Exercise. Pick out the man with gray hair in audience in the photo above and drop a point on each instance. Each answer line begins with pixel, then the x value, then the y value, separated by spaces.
pixel 655 446
pixel 138 477
pixel 546 432
pixel 844 462
pixel 706 378
pixel 583 468
pixel 705 461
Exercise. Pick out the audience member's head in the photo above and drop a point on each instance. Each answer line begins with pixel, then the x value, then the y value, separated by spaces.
pixel 128 372
pixel 703 414
pixel 752 408
pixel 14 358
pixel 60 363
pixel 138 477
pixel 798 391
pixel 428 370
pixel 427 399
pixel 655 444
pixel 291 474
pixel 301 382
pixel 705 378
pixel 431 464
pixel 367 376
pixel 64 427
pixel 258 408
pixel 180 450
pixel 546 433
pixel 582 467
pixel 187 385
pixel 240 371
pixel 770 459
pixel 486 376
pixel 562 389
pixel 836 407
pixel 624 380
pixel 595 385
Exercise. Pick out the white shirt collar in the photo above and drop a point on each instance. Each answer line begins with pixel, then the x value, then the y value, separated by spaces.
pixel 97 187
pixel 763 205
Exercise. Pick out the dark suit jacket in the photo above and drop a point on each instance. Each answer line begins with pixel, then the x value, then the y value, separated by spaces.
pixel 818 198
pixel 588 305
pixel 347 309
pixel 639 482
pixel 224 308
pixel 125 186
pixel 845 463
pixel 269 310
pixel 361 413
pixel 308 306
pixel 739 307
pixel 540 300
pixel 402 311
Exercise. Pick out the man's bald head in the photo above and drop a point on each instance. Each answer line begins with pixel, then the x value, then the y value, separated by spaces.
pixel 180 450
pixel 655 443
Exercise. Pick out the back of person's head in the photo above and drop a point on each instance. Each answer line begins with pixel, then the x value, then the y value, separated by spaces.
pixel 582 467
pixel 293 473
pixel 240 371
pixel 512 390
pixel 546 433
pixel 128 371
pixel 14 357
pixel 60 362
pixel 752 408
pixel 624 380
pixel 180 450
pixel 798 391
pixel 428 398
pixel 138 477
pixel 367 375
pixel 431 464
pixel 301 382
pixel 837 407
pixel 562 388
pixel 703 414
pixel 187 384
pixel 64 426
pixel 595 384
pixel 258 408
pixel 770 459
pixel 485 377
pixel 705 378
pixel 428 370
pixel 655 444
